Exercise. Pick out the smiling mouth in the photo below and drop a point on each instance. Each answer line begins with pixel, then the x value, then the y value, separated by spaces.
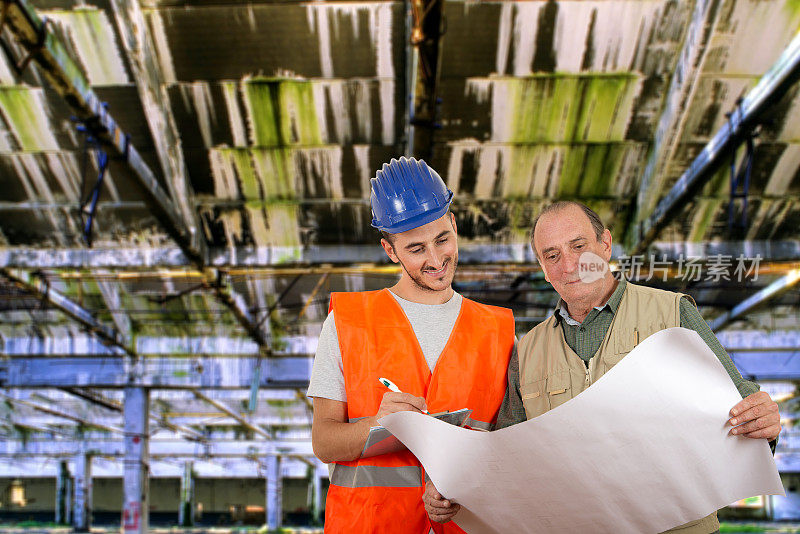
pixel 440 271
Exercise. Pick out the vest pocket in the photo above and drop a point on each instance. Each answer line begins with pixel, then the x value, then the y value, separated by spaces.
pixel 559 388
pixel 629 337
pixel 534 398
pixel 626 340
pixel 539 396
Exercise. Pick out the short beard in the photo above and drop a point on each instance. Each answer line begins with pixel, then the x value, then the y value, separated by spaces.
pixel 418 280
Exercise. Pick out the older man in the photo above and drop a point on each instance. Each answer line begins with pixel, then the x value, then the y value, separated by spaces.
pixel 599 320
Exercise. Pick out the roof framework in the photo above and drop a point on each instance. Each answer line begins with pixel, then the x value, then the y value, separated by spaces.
pixel 236 199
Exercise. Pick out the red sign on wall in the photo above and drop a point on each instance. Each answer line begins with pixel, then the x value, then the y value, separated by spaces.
pixel 131 516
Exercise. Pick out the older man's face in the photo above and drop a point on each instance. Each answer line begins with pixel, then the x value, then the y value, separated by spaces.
pixel 565 243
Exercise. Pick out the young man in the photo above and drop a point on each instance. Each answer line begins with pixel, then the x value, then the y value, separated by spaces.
pixel 596 323
pixel 444 352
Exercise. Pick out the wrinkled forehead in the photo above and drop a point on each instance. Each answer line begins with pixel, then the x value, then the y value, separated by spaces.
pixel 561 226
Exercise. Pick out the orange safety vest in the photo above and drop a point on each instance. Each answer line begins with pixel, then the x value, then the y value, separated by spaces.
pixel 384 493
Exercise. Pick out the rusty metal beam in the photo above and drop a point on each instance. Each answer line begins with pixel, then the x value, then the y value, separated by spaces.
pixel 37 285
pixel 257 329
pixel 36 428
pixel 63 415
pixel 155 416
pixel 677 101
pixel 110 291
pixel 138 44
pixel 233 415
pixel 94 397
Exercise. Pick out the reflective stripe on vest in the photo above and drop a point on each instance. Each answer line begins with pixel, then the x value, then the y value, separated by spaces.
pixel 470 422
pixel 480 425
pixel 363 476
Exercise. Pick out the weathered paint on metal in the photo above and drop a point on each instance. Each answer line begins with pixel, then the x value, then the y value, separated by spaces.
pixel 274 491
pixel 25 110
pixel 92 35
pixel 374 19
pixel 558 108
pixel 595 36
pixel 280 112
pixel 165 372
pixel 82 505
pixel 140 50
pixel 136 495
pixel 537 171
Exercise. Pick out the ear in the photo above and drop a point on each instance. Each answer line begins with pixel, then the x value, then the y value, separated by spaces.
pixel 453 222
pixel 606 240
pixel 389 249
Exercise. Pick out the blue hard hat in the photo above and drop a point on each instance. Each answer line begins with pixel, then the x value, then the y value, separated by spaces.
pixel 407 194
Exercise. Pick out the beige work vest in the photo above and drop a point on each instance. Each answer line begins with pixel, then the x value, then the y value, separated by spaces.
pixel 550 373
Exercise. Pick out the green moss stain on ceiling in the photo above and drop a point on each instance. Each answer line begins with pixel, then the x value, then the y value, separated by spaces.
pixel 705 211
pixel 276 173
pixel 24 111
pixel 538 171
pixel 553 135
pixel 254 174
pixel 275 225
pixel 92 35
pixel 280 112
pixel 558 108
pixel 263 174
pixel 520 217
pixel 590 170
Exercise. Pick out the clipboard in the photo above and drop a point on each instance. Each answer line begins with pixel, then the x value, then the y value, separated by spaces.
pixel 381 441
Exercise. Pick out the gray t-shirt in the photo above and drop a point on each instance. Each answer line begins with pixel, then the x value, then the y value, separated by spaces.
pixel 432 324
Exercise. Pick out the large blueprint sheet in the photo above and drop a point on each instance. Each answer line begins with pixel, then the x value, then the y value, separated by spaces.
pixel 644 449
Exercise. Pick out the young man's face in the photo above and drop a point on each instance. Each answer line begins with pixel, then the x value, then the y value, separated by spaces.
pixel 428 254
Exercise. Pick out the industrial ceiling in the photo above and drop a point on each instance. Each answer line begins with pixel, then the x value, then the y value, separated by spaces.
pixel 259 126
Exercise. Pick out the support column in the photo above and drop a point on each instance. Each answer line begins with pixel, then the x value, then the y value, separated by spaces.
pixel 186 512
pixel 274 492
pixel 69 516
pixel 317 505
pixel 136 463
pixel 63 494
pixel 83 491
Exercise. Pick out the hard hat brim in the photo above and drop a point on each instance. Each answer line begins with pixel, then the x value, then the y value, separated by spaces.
pixel 414 222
